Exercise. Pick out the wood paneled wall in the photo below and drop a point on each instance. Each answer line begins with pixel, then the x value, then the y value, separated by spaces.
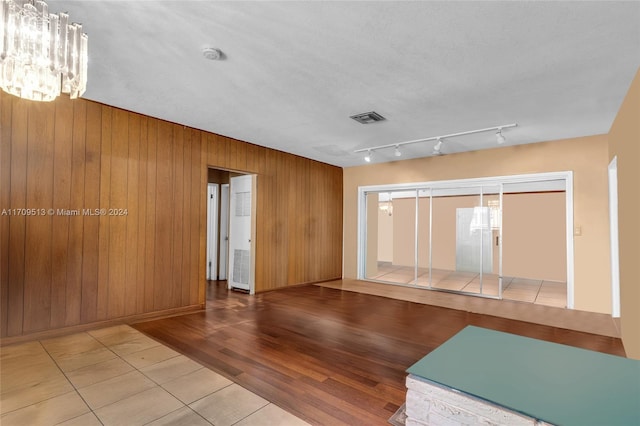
pixel 69 270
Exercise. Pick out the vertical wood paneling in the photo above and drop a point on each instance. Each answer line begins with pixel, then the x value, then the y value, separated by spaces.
pixel 299 221
pixel 298 214
pixel 323 232
pixel 105 201
pixel 60 270
pixel 221 158
pixel 262 183
pixel 117 222
pixel 240 156
pixel 131 217
pixel 316 207
pixel 17 224
pixel 164 218
pixel 91 224
pixel 195 295
pixel 62 167
pixel 212 153
pixel 189 136
pixel 38 244
pixel 201 195
pixel 178 210
pixel 334 224
pixel 304 270
pixel 337 223
pixel 231 159
pixel 76 201
pixel 150 231
pixel 213 147
pixel 5 203
pixel 271 211
pixel 251 159
pixel 282 218
pixel 142 215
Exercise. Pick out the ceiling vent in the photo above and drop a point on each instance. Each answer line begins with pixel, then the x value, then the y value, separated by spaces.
pixel 368 117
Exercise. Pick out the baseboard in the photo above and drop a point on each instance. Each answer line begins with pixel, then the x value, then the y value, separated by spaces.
pixel 47 334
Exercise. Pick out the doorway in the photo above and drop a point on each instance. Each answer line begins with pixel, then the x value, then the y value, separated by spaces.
pixel 231 217
pixel 241 219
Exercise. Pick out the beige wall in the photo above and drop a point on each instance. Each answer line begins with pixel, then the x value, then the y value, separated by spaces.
pixel 587 157
pixel 624 140
pixel 534 233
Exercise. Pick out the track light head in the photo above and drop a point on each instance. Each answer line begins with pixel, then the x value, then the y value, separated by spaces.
pixel 437 148
pixel 397 152
pixel 500 137
pixel 367 157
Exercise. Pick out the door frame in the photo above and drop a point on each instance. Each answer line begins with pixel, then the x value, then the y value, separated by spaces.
pixel 614 237
pixel 212 232
pixel 223 253
pixel 252 238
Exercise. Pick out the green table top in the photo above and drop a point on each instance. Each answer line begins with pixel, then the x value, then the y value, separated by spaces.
pixel 555 383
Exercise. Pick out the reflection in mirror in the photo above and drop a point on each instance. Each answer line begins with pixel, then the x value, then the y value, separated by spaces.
pixel 462 239
pixel 456 239
pixel 424 238
pixel 391 218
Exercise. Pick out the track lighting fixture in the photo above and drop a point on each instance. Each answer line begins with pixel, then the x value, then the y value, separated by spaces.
pixel 437 148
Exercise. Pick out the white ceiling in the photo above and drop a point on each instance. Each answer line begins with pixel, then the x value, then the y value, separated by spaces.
pixel 294 72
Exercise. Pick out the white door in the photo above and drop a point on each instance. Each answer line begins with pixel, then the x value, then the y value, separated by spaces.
pixel 212 231
pixel 224 231
pixel 240 227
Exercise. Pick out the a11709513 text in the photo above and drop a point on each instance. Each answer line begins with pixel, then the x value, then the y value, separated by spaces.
pixel 33 212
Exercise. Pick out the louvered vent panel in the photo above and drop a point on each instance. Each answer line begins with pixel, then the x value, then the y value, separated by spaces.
pixel 241 261
pixel 243 204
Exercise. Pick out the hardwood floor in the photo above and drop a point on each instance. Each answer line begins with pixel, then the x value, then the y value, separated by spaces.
pixel 330 356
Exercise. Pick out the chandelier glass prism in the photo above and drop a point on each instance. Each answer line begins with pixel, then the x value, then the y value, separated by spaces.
pixel 41 53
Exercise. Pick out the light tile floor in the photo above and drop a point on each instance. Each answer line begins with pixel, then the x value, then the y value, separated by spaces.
pixel 540 292
pixel 118 376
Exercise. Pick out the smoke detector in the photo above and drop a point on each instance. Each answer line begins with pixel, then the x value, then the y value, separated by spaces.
pixel 368 117
pixel 212 53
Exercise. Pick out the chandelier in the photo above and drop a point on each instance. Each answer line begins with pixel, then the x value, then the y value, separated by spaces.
pixel 41 53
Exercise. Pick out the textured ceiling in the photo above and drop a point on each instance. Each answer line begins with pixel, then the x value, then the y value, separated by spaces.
pixel 294 72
